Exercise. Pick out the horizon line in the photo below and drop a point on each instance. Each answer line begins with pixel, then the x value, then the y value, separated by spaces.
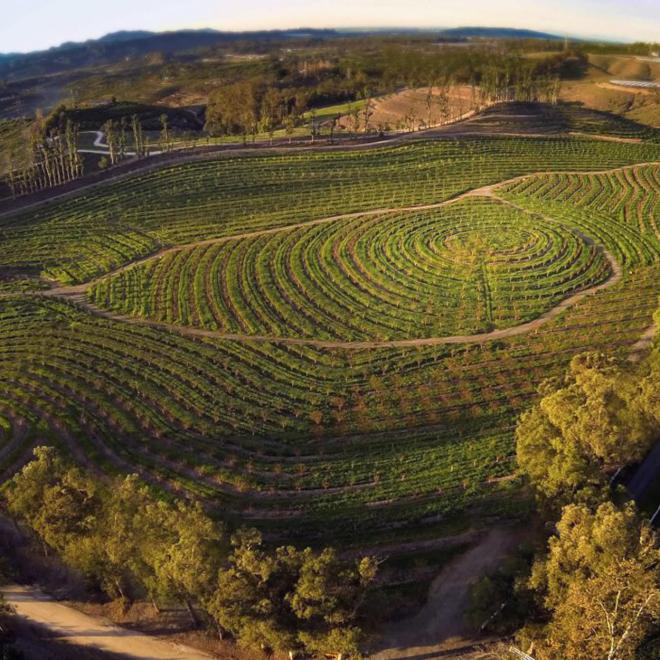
pixel 336 28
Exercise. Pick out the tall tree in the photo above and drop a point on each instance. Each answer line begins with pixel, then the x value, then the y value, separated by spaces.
pixel 290 600
pixel 600 584
pixel 271 111
pixel 164 133
pixel 183 552
pixel 58 501
pixel 595 422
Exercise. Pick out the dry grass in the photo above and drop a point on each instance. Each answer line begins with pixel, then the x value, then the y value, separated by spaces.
pixel 409 108
pixel 625 66
pixel 595 91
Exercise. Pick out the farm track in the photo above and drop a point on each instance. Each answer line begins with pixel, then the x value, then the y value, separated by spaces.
pixel 77 293
pixel 643 343
pixel 438 629
pixel 90 632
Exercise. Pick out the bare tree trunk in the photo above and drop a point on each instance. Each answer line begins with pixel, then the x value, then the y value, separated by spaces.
pixel 193 616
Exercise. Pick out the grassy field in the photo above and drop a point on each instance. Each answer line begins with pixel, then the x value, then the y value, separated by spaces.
pixel 303 441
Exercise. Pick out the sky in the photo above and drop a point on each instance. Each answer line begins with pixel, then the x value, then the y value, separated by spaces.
pixel 37 24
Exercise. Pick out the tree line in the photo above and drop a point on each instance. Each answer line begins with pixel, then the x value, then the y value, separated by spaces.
pixel 50 157
pixel 130 544
pixel 279 96
pixel 266 102
pixel 591 589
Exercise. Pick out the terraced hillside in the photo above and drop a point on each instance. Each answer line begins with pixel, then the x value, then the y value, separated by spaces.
pixel 388 439
pixel 463 268
pixel 103 228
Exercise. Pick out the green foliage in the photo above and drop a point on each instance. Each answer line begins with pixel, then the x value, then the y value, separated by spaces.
pixel 58 501
pixel 597 584
pixel 290 600
pixel 182 549
pixel 600 584
pixel 116 533
pixel 576 434
pixel 131 544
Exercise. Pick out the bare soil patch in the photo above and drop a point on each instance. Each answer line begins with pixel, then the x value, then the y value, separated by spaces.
pixel 440 627
pixel 410 108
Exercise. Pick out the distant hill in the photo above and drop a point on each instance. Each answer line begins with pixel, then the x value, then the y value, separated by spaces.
pixel 124 35
pixel 460 33
pixel 495 33
pixel 118 46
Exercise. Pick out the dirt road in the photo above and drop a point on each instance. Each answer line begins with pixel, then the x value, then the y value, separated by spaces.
pixel 439 628
pixel 70 625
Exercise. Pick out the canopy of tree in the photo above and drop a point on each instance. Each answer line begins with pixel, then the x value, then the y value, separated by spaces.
pixel 131 544
pixel 602 417
pixel 600 584
pixel 291 600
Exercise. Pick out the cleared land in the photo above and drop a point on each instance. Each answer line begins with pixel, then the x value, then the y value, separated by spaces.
pixel 595 90
pixel 419 107
pixel 394 441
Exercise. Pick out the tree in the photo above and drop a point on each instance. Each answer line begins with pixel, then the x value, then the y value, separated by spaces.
pixel 112 140
pixel 271 111
pixel 332 122
pixel 598 407
pixel 165 132
pixel 290 600
pixel 326 598
pixel 578 433
pixel 428 100
pixel 354 114
pixel 56 500
pixel 555 467
pixel 117 534
pixel 289 125
pixel 599 583
pixel 138 136
pixel 313 125
pixel 250 597
pixel 123 141
pixel 182 550
pixel 367 112
pixel 112 553
pixel 442 101
pixel 233 109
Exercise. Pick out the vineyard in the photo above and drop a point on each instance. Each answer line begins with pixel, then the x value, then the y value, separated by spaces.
pixel 464 268
pixel 101 229
pixel 391 441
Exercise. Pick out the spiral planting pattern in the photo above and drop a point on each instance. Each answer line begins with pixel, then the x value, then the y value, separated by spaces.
pixel 464 268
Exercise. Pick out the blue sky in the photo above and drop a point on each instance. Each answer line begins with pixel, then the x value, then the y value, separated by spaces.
pixel 35 24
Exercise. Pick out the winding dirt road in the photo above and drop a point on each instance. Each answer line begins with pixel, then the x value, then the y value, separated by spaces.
pixel 70 625
pixel 439 627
